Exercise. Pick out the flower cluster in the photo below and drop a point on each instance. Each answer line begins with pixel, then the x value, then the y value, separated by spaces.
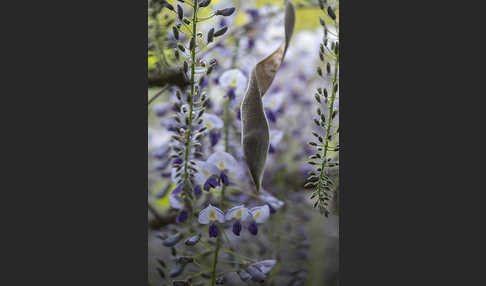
pixel 256 215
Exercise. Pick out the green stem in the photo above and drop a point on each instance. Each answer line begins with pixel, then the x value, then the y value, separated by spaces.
pixel 191 99
pixel 223 188
pixel 231 262
pixel 237 254
pixel 215 260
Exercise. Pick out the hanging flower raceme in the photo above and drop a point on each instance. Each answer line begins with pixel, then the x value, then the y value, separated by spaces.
pixel 240 213
pixel 256 215
pixel 210 215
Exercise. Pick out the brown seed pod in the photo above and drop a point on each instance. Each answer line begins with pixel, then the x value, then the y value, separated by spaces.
pixel 255 132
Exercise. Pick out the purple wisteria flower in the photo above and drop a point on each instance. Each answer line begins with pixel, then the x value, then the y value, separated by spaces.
pixel 259 214
pixel 182 216
pixel 211 182
pixel 240 213
pixel 226 165
pixel 210 215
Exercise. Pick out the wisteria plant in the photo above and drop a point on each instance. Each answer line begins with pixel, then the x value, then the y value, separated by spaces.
pixel 227 122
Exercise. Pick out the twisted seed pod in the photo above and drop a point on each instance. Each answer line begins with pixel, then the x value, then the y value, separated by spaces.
pixel 255 132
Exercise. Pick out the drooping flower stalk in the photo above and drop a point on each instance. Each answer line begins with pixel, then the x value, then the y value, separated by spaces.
pixel 191 98
pixel 328 137
pixel 223 187
pixel 320 181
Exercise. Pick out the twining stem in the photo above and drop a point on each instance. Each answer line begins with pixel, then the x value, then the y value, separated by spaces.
pixel 328 129
pixel 164 88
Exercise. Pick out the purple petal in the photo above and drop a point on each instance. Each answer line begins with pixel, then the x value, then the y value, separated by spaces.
pixel 182 216
pixel 237 227
pixel 213 230
pixel 253 228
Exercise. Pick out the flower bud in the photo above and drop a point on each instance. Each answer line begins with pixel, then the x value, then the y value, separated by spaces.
pixel 210 35
pixel 180 12
pixel 225 12
pixel 204 3
pixel 193 240
pixel 184 260
pixel 221 31
pixel 169 6
pixel 182 217
pixel 177 270
pixel 173 240
pixel 176 32
pixel 331 13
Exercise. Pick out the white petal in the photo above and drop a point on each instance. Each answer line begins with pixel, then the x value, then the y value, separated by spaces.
pixel 276 136
pixel 205 171
pixel 203 217
pixel 260 214
pixel 176 201
pixel 273 101
pixel 206 215
pixel 233 78
pixel 238 212
pixel 219 215
pixel 223 161
pixel 212 121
